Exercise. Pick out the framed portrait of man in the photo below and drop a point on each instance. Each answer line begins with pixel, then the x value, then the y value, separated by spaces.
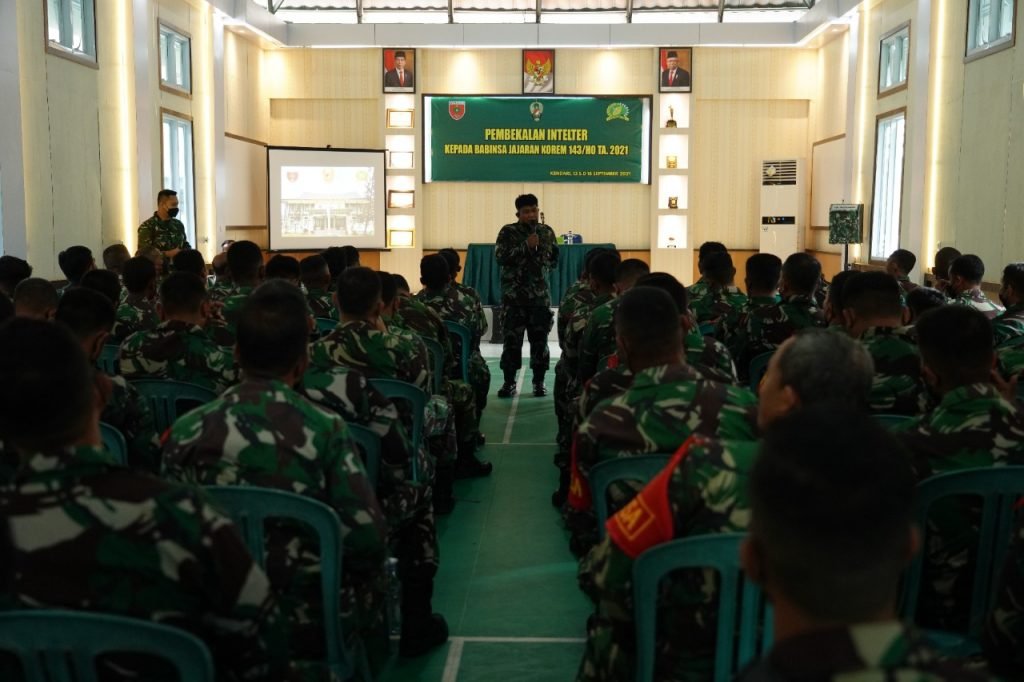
pixel 675 69
pixel 399 70
pixel 538 72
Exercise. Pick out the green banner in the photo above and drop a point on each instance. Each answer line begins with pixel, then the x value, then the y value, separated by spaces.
pixel 537 139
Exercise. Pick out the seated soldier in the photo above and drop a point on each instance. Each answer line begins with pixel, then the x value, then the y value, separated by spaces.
pixel 263 433
pixel 944 258
pixel 701 491
pixel 899 265
pixel 598 338
pixel 284 267
pixel 762 282
pixel 411 314
pixel 114 258
pixel 339 258
pixel 189 260
pixel 156 256
pixel 13 271
pixel 965 276
pixel 137 313
pixel 105 282
pixel 700 288
pixel 74 262
pixel 222 284
pixel 84 530
pixel 36 299
pixel 245 260
pixel 667 402
pixel 973 426
pixel 923 299
pixel 179 347
pixel 723 296
pixel 830 538
pixel 316 277
pixel 1003 639
pixel 767 328
pixel 1010 324
pixel 90 317
pixel 874 315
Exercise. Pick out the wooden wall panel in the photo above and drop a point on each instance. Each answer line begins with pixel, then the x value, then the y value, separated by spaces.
pixel 322 122
pixel 754 73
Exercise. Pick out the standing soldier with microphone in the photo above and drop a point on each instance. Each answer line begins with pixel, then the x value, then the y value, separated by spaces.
pixel 526 251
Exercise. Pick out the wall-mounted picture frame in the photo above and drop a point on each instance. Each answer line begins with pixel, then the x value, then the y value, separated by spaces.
pixel 538 72
pixel 401 239
pixel 401 198
pixel 400 160
pixel 399 70
pixel 400 118
pixel 675 69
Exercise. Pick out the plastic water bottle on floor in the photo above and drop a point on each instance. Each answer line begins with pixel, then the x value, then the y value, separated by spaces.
pixel 394 597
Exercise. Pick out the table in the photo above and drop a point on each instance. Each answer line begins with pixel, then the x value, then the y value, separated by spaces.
pixel 483 273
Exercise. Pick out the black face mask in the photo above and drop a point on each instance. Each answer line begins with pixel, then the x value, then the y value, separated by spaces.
pixel 172 212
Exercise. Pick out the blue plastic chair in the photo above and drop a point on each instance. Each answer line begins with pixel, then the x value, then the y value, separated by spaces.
pixel 707 329
pixel 641 468
pixel 436 353
pixel 758 368
pixel 720 552
pixel 56 645
pixel 325 325
pixel 369 442
pixel 170 399
pixel 113 441
pixel 107 362
pixel 893 422
pixel 466 340
pixel 250 507
pixel 999 489
pixel 393 389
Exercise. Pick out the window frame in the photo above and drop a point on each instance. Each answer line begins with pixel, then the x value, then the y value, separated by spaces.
pixel 903 85
pixel 1005 43
pixel 892 113
pixel 194 236
pixel 168 86
pixel 60 50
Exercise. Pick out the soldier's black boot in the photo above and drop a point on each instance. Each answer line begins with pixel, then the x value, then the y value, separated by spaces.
pixel 444 497
pixel 559 497
pixel 539 390
pixel 422 630
pixel 468 466
pixel 508 389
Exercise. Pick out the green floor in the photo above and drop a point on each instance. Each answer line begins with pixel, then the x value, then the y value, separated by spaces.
pixel 507 582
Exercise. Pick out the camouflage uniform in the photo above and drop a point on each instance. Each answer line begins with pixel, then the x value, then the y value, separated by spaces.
pixel 821 291
pixel 136 314
pixel 415 316
pixel 766 328
pixel 220 291
pixel 698 289
pixel 973 426
pixel 263 433
pixel 702 490
pixel 579 296
pixel 525 295
pixel 88 535
pixel 1011 361
pixel 717 303
pixel 1003 639
pixel 598 340
pixel 709 357
pixel 180 351
pixel 906 285
pixel 462 305
pixel 165 235
pixel 897 387
pixel 729 325
pixel 1009 325
pixel 979 301
pixel 127 412
pixel 232 308
pixel 664 406
pixel 321 304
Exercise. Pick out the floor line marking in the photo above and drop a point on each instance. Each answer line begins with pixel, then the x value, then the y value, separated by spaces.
pixel 512 411
pixel 451 664
pixel 523 640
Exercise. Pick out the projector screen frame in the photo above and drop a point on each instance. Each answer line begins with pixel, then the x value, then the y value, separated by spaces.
pixel 382 202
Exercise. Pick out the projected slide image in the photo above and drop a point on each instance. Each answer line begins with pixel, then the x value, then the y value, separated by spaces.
pixel 327 201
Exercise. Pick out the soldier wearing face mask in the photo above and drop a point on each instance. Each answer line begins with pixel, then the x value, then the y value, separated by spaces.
pixel 163 230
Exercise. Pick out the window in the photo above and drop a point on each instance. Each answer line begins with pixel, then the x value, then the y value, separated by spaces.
pixel 175 59
pixel 888 193
pixel 71 27
pixel 178 169
pixel 989 25
pixel 892 61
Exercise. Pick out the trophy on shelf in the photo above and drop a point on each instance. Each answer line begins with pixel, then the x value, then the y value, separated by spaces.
pixel 671 161
pixel 673 202
pixel 671 123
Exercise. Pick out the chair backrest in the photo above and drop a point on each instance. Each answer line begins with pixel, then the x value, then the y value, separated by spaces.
pixel 999 489
pixel 58 646
pixel 758 367
pixel 113 441
pixel 250 507
pixel 436 353
pixel 325 325
pixel 641 468
pixel 393 389
pixel 893 422
pixel 170 399
pixel 107 362
pixel 466 340
pixel 369 442
pixel 736 596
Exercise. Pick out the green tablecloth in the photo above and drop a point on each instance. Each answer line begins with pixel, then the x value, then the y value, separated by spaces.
pixel 483 273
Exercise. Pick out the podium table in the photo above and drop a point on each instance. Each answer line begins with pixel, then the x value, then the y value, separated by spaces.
pixel 482 272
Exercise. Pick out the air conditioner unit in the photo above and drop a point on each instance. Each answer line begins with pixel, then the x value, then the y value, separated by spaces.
pixel 783 206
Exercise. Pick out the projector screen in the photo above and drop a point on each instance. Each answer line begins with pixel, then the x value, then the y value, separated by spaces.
pixel 325 197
